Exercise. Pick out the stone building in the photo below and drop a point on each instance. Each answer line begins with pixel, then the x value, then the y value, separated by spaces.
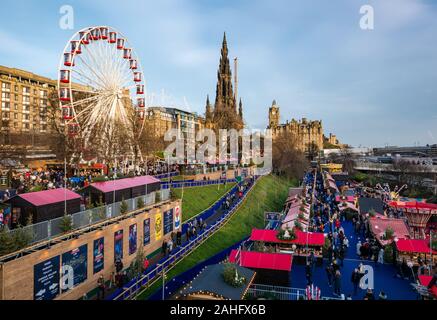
pixel 224 113
pixel 161 119
pixel 305 131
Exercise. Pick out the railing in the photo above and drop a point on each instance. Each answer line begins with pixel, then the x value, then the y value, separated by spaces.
pixel 132 290
pixel 191 183
pixel 257 291
pixel 46 230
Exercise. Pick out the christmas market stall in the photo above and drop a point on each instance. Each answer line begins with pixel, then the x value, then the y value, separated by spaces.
pixel 44 205
pixel 370 206
pixel 271 268
pixel 291 241
pixel 415 250
pixel 117 190
pixel 224 281
pixel 385 230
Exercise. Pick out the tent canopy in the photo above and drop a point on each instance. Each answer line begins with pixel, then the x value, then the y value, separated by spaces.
pixel 263 260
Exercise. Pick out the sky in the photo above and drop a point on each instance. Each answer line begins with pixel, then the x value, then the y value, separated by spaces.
pixel 369 87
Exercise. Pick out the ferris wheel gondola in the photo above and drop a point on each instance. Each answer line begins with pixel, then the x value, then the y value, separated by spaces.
pixel 100 84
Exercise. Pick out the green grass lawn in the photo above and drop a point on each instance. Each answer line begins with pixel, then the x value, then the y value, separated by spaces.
pixel 197 199
pixel 268 195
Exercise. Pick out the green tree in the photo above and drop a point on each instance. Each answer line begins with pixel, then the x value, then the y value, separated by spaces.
pixel 123 206
pixel 140 203
pixel 66 223
pixel 7 244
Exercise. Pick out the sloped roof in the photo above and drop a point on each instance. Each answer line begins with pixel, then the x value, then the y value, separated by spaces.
pixel 46 197
pixel 114 185
pixel 263 260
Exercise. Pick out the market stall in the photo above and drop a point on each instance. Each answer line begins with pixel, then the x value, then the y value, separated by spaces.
pixel 413 249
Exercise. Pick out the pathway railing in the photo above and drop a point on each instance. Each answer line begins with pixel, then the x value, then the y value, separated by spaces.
pixel 46 230
pixel 135 286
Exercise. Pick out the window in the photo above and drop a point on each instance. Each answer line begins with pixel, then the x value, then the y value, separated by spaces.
pixel 15 106
pixel 16 97
pixel 26 99
pixel 34 92
pixel 15 116
pixel 6 105
pixel 6 95
pixel 26 125
pixel 26 90
pixel 6 86
pixel 16 88
pixel 15 124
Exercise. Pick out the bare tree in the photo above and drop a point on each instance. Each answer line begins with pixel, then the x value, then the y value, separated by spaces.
pixel 287 158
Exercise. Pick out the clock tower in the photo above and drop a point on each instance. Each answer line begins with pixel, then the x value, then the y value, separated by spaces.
pixel 273 115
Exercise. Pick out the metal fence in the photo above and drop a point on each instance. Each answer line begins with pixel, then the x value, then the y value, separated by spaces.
pixel 261 291
pixel 46 230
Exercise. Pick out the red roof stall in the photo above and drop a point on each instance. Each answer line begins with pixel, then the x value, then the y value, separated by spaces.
pixel 378 226
pixel 414 246
pixel 122 188
pixel 43 205
pixel 271 268
pixel 302 238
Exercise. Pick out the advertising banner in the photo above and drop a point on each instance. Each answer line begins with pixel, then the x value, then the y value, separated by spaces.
pixel 146 231
pixel 98 255
pixel 168 221
pixel 132 239
pixel 74 267
pixel 46 279
pixel 158 226
pixel 118 245
pixel 177 217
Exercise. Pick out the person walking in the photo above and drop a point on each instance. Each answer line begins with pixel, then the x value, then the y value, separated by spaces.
pixel 355 279
pixel 329 274
pixel 101 288
pixel 381 256
pixel 308 273
pixel 337 283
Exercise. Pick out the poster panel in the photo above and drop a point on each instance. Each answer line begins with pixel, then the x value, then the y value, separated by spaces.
pixel 146 230
pixel 99 255
pixel 132 239
pixel 118 245
pixel 158 226
pixel 46 279
pixel 74 267
pixel 168 221
pixel 177 217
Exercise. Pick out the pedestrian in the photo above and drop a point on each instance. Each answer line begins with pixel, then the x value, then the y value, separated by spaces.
pixel 381 256
pixel 330 274
pixel 337 283
pixel 101 288
pixel 112 280
pixel 308 273
pixel 359 248
pixel 355 279
pixel 164 247
pixel 382 296
pixel 341 255
pixel 188 232
pixel 369 295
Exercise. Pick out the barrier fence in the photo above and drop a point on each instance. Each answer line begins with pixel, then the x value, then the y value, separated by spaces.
pixel 131 290
pixel 193 183
pixel 46 230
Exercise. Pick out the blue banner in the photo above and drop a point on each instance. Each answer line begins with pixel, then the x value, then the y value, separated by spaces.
pixel 46 279
pixel 132 238
pixel 75 261
pixel 118 245
pixel 146 231
pixel 99 255
pixel 168 221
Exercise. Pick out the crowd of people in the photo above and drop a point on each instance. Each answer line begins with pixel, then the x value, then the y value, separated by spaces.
pixel 328 218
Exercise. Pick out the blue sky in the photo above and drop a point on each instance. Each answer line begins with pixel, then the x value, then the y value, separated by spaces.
pixel 371 88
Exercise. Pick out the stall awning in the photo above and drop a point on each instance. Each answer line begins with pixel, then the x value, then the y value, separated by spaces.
pixel 47 197
pixel 114 185
pixel 263 260
pixel 413 205
pixel 414 246
pixel 302 238
pixel 425 280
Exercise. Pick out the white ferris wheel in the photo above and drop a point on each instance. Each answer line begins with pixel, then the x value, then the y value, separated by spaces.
pixel 101 85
